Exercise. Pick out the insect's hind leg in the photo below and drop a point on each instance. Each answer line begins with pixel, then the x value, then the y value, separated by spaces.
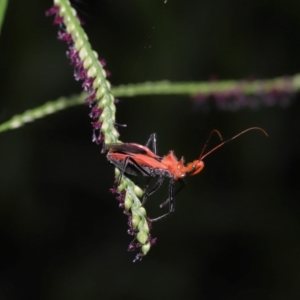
pixel 171 202
pixel 153 189
pixel 131 160
pixel 152 140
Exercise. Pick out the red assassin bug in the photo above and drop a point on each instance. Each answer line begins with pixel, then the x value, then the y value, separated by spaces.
pixel 136 159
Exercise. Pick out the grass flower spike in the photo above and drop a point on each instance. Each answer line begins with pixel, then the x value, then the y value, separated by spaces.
pixel 90 70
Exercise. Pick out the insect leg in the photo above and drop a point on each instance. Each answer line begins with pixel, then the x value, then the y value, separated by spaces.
pixel 171 202
pixel 152 140
pixel 172 196
pixel 123 170
pixel 131 160
pixel 153 189
pixel 183 183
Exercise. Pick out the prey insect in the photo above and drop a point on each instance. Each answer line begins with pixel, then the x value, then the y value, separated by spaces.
pixel 136 159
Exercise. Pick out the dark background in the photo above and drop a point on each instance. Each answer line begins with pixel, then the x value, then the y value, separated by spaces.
pixel 235 233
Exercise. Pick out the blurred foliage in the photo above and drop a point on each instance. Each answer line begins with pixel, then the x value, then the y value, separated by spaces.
pixel 3 5
pixel 235 232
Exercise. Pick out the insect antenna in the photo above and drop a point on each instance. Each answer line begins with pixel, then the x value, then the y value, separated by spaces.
pixel 229 140
pixel 206 143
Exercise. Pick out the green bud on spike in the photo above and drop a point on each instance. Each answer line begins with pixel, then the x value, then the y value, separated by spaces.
pixel 128 202
pixel 146 248
pixel 143 226
pixel 142 237
pixel 135 220
pixel 142 210
pixel 138 191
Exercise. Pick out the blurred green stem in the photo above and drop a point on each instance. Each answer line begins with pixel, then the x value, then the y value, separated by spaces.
pixel 287 85
pixel 3 6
